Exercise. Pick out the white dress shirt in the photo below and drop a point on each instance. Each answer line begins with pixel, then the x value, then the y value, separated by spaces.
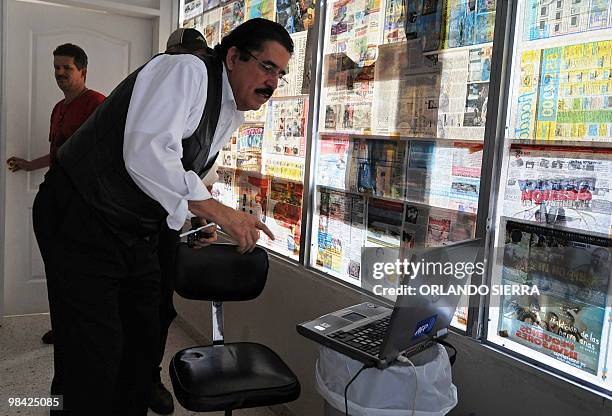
pixel 166 107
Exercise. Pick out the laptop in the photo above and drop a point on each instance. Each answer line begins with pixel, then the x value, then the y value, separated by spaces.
pixel 376 335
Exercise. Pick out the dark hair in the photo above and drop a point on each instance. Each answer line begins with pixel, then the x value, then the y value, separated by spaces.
pixel 251 35
pixel 73 51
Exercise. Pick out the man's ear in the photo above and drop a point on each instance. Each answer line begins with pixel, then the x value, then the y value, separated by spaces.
pixel 233 54
pixel 84 72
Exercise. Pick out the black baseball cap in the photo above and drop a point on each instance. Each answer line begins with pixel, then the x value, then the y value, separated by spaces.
pixel 187 38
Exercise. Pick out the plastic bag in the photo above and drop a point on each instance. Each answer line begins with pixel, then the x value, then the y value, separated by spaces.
pixel 389 392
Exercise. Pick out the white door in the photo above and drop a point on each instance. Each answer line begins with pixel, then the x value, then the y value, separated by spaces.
pixel 115 45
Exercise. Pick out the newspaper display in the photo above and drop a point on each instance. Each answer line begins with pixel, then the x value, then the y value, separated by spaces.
pixel 572 272
pixel 249 146
pixel 211 4
pixel 443 96
pixel 295 15
pixel 224 190
pixel 285 131
pixel 377 167
pixel 333 161
pixel 563 94
pixel 211 27
pixel 560 186
pixel 395 18
pixel 545 19
pixel 284 218
pixel 260 8
pixel 340 233
pixel 295 68
pixel 232 16
pixel 192 8
pixel 468 22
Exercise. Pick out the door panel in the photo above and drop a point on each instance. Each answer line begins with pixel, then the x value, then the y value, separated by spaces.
pixel 115 45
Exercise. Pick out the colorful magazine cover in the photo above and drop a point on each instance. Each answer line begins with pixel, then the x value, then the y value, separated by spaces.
pixel 572 273
pixel 231 17
pixel 295 15
pixel 260 8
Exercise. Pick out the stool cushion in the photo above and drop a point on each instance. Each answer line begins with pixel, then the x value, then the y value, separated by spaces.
pixel 231 376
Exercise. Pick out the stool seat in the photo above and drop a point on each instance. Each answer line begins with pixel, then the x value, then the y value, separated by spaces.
pixel 231 376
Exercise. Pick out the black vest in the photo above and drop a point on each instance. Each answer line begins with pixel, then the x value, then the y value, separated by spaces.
pixel 93 159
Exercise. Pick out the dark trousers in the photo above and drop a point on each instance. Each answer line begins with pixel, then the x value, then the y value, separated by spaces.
pixel 168 244
pixel 104 303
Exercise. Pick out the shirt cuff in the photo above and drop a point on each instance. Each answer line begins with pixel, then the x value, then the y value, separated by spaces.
pixel 198 192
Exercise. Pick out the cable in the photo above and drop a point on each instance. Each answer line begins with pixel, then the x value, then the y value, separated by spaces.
pixel 404 359
pixel 347 386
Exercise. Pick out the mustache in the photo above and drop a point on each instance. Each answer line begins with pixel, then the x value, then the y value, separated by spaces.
pixel 267 91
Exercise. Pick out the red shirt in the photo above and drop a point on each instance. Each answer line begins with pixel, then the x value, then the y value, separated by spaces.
pixel 67 118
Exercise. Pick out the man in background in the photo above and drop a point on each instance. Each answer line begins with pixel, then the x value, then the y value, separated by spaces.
pixel 70 64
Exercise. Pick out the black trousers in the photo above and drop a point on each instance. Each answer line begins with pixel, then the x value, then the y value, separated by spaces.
pixel 104 303
pixel 168 244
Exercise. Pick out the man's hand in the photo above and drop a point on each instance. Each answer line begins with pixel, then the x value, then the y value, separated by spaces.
pixel 16 163
pixel 242 227
pixel 204 242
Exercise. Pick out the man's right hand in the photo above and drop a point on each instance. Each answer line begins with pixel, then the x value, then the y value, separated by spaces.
pixel 242 227
pixel 16 163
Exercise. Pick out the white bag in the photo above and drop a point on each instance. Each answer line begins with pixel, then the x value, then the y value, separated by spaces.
pixel 390 392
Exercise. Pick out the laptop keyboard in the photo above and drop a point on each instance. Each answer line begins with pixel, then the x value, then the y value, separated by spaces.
pixel 367 338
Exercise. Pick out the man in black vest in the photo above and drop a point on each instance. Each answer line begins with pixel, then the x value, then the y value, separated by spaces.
pixel 135 163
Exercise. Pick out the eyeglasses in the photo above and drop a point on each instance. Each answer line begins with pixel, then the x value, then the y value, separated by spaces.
pixel 270 69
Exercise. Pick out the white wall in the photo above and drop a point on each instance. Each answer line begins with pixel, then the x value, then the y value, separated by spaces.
pixel 489 383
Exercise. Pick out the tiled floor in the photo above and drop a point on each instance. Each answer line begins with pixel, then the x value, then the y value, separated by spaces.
pixel 26 364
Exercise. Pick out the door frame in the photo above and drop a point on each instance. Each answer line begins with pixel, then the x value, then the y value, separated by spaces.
pixel 164 19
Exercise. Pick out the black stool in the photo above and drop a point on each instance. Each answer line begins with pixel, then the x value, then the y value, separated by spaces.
pixel 227 376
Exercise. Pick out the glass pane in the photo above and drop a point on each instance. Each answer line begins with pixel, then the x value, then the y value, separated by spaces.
pixel 555 205
pixel 402 115
pixel 261 169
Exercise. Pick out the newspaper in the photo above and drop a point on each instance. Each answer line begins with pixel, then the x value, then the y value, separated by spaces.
pixel 384 222
pixel 376 167
pixel 560 186
pixel 443 95
pixel 572 273
pixel 224 190
pixel 258 116
pixel 284 218
pixel 468 22
pixel 425 22
pixel 284 167
pixel 333 161
pixel 340 233
pixel 295 68
pixel 395 17
pixel 249 146
pixel 231 17
pixel 211 27
pixel 285 132
pixel 562 94
pixel 192 8
pixel 295 15
pixel 252 193
pixel 228 153
pixel 544 19
pixel 260 8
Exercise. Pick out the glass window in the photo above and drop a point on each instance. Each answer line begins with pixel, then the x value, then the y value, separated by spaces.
pixel 554 208
pixel 402 115
pixel 261 169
